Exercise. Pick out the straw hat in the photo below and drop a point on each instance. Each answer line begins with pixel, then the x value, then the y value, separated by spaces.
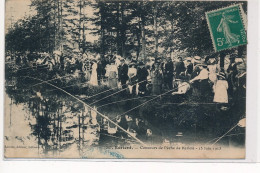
pixel 76 50
pixel 202 64
pixel 188 59
pixel 57 52
pixel 197 58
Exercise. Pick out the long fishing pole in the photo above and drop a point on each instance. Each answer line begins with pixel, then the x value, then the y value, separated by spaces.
pixel 102 115
pixel 224 135
pixel 103 92
pixel 60 77
pixel 32 67
pixel 125 100
pixel 114 93
pixel 86 98
pixel 66 86
pixel 150 100
pixel 233 134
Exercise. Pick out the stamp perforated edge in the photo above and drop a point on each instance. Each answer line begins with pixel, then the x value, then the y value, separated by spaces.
pixel 209 26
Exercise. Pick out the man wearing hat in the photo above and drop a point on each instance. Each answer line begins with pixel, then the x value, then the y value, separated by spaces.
pixel 169 73
pixel 57 55
pixel 132 71
pixel 123 73
pixel 232 73
pixel 157 77
pixel 202 80
pixel 179 67
pixel 196 60
pixel 189 68
pixel 213 69
pixel 142 74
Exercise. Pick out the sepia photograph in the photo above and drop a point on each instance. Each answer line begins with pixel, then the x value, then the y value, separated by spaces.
pixel 122 79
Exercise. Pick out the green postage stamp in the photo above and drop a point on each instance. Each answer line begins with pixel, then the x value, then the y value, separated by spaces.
pixel 226 27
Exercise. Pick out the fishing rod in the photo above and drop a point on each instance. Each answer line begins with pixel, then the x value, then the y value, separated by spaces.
pixel 66 86
pixel 83 87
pixel 234 134
pixel 114 93
pixel 150 100
pixel 125 100
pixel 115 137
pixel 155 97
pixel 32 67
pixel 224 134
pixel 102 115
pixel 102 92
pixel 60 77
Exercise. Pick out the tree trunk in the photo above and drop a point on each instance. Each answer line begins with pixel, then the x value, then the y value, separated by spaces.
pixel 102 30
pixel 155 30
pixel 61 26
pixel 172 32
pixel 83 29
pixel 143 37
pixel 139 45
pixel 123 31
pixel 80 7
pixel 56 10
pixel 118 45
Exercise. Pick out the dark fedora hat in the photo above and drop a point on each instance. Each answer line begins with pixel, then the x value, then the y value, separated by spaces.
pixel 141 63
pixel 233 56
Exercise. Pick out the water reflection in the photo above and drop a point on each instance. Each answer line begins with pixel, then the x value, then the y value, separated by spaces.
pixel 54 123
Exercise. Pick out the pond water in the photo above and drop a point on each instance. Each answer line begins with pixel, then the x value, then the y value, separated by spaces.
pixel 51 121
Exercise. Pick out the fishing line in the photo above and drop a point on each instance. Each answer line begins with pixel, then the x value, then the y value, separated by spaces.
pixel 224 135
pixel 234 134
pixel 102 115
pixel 150 100
pixel 114 93
pixel 125 100
pixel 60 77
pixel 32 67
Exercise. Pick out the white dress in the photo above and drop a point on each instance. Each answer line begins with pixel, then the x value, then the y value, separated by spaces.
pixel 212 73
pixel 112 74
pixel 93 79
pixel 220 89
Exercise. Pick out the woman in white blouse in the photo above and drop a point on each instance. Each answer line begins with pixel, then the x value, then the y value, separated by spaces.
pixel 112 73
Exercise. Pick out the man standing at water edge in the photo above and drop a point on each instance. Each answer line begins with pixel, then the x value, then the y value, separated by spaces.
pixel 180 67
pixel 123 73
pixel 169 72
pixel 142 74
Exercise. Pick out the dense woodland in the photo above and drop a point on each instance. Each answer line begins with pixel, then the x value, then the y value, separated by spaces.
pixel 132 29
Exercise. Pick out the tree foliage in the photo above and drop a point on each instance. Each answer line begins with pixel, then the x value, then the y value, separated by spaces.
pixel 127 28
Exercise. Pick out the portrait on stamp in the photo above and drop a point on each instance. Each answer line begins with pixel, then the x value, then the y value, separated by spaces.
pixel 227 28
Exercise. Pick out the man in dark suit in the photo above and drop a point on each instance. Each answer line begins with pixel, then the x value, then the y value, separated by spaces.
pixel 180 67
pixel 169 73
pixel 142 74
pixel 123 73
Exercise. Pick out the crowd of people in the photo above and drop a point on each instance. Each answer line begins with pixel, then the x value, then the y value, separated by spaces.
pixel 203 76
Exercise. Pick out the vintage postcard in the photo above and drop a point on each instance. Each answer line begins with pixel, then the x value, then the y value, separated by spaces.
pixel 125 79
